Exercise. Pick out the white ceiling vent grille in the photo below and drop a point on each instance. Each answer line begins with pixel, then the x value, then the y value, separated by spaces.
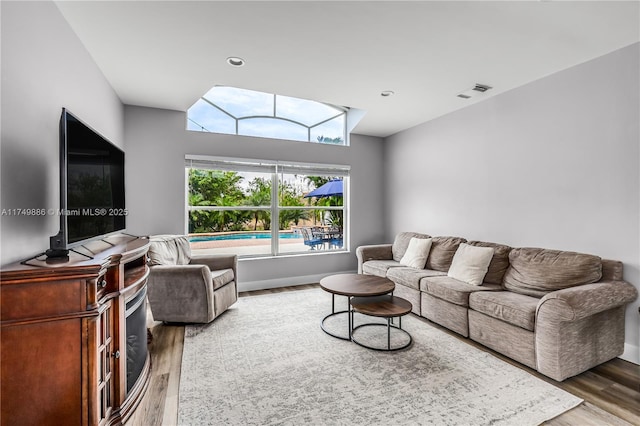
pixel 476 90
pixel 481 88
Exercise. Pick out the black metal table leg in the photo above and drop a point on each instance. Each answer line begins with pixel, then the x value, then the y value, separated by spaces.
pixel 349 313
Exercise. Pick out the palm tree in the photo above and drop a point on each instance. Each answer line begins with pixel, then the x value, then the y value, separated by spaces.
pixel 260 195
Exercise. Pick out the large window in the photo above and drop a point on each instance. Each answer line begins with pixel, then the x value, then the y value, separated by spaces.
pixel 236 111
pixel 262 208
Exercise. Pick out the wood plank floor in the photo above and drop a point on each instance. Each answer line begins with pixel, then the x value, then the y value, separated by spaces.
pixel 611 391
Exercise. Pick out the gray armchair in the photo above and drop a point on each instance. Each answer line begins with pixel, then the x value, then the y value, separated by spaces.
pixel 186 288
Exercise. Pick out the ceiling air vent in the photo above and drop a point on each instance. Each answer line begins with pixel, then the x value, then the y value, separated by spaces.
pixel 476 90
pixel 481 88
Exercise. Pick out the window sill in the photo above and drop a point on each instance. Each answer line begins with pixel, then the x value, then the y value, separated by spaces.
pixel 293 255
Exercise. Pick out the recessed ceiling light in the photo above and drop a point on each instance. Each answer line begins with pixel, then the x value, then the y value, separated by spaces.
pixel 387 93
pixel 235 61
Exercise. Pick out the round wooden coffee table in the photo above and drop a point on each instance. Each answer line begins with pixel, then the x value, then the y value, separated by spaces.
pixel 352 285
pixel 388 307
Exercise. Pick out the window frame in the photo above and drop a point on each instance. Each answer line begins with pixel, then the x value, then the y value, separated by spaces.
pixel 340 112
pixel 278 168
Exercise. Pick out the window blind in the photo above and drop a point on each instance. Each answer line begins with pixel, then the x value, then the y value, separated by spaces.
pixel 259 166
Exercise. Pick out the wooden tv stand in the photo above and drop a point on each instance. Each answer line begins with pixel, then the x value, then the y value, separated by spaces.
pixel 64 336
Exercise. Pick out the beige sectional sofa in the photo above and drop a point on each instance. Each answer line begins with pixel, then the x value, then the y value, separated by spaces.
pixel 558 312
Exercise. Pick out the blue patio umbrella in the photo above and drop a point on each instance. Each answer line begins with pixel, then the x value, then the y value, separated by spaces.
pixel 333 187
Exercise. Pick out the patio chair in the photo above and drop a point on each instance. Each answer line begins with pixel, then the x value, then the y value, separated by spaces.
pixel 310 239
pixel 335 237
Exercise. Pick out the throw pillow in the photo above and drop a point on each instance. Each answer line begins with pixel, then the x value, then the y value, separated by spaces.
pixel 470 263
pixel 417 253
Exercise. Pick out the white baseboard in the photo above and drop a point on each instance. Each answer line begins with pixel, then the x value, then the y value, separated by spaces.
pixel 631 353
pixel 285 282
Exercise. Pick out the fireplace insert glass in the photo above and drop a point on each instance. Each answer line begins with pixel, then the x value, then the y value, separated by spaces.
pixel 136 313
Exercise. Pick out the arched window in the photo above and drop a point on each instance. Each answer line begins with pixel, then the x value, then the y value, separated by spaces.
pixel 236 111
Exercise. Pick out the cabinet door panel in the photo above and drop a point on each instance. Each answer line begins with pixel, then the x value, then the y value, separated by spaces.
pixel 106 360
pixel 41 373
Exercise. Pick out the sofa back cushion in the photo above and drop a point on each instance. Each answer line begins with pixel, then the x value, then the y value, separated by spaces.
pixel 400 244
pixel 169 250
pixel 442 251
pixel 611 270
pixel 536 271
pixel 499 262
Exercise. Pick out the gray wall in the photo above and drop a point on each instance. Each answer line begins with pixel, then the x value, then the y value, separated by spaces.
pixel 157 143
pixel 44 67
pixel 552 164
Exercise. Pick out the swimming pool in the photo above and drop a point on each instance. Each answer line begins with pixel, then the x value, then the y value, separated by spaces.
pixel 243 236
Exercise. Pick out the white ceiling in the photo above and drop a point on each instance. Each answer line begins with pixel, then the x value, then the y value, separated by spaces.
pixel 167 54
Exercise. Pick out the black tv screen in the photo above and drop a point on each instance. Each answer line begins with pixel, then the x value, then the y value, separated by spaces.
pixel 92 184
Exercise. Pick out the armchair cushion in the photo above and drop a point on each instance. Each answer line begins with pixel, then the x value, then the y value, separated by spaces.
pixel 221 277
pixel 169 250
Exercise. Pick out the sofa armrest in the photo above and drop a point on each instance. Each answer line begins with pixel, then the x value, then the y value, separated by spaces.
pixel 574 303
pixel 580 327
pixel 373 252
pixel 181 293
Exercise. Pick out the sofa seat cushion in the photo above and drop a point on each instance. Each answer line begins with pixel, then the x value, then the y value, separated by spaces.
pixel 513 308
pixel 379 267
pixel 410 277
pixel 221 277
pixel 536 271
pixel 452 290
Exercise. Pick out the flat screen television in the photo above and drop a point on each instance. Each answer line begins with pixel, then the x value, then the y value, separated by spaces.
pixel 92 203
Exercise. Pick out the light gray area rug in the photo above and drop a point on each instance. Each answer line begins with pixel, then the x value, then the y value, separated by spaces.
pixel 267 362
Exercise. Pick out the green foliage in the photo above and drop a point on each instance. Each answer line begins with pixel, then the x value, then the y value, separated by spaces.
pixel 326 139
pixel 334 218
pixel 216 188
pixel 289 197
pixel 260 195
pixel 334 200
pixel 318 181
pixel 221 188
